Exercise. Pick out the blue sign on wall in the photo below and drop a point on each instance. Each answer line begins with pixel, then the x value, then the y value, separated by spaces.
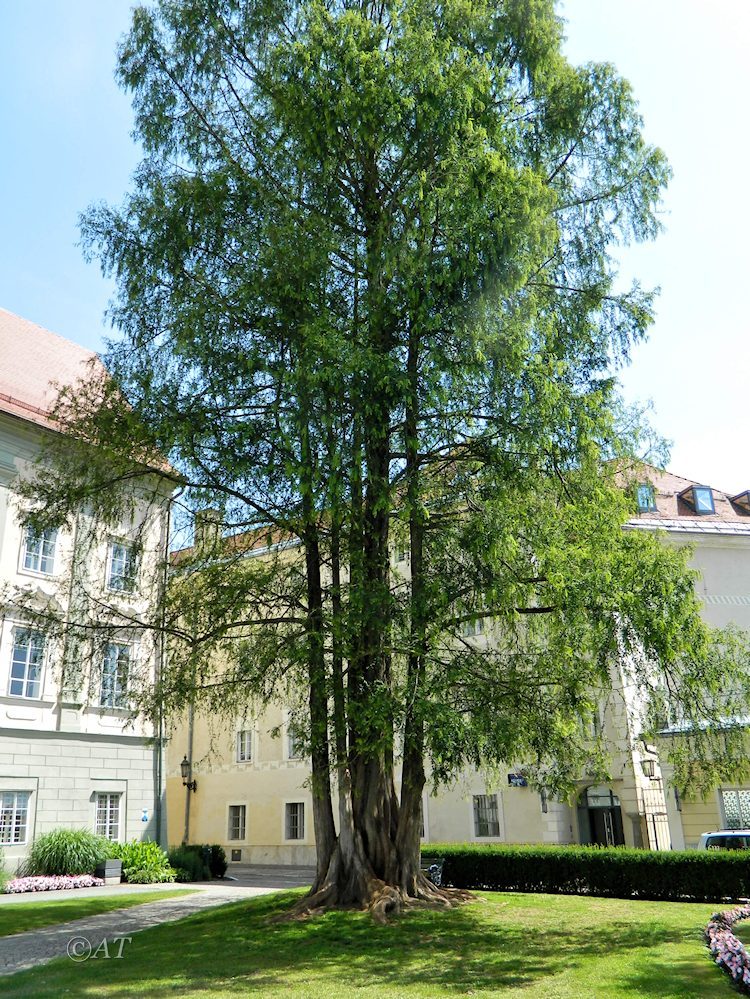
pixel 517 780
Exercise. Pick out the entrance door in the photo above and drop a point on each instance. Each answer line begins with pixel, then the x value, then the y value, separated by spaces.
pixel 600 808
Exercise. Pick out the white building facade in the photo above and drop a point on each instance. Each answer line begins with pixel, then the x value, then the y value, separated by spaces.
pixel 73 752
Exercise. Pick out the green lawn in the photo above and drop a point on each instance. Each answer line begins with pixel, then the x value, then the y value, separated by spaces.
pixel 742 931
pixel 505 945
pixel 17 917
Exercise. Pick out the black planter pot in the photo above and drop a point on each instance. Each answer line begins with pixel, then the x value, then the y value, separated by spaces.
pixel 110 871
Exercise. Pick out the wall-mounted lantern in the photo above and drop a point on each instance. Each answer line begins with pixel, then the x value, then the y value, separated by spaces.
pixel 185 770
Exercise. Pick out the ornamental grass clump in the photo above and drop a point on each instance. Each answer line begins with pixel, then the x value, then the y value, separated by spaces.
pixel 67 851
pixel 726 950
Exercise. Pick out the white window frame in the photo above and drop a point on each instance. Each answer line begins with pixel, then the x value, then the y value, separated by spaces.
pixel 244 746
pixel 104 824
pixel 285 824
pixel 9 815
pixel 119 692
pixel 17 633
pixel 425 837
pixel 243 829
pixel 115 583
pixel 42 541
pixel 498 806
pixel 290 742
pixel 472 627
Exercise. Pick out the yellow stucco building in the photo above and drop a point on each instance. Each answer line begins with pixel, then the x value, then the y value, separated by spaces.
pixel 252 794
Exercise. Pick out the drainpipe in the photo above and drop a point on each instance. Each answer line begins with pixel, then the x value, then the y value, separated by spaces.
pixel 159 670
pixel 188 792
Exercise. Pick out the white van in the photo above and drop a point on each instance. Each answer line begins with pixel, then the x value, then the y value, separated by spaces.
pixel 725 839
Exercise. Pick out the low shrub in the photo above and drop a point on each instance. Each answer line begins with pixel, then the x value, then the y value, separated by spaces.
pixel 165 876
pixel 205 861
pixel 218 861
pixel 614 872
pixel 66 851
pixel 18 885
pixel 143 862
pixel 190 863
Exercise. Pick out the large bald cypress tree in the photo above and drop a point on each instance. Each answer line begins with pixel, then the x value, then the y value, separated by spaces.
pixel 367 301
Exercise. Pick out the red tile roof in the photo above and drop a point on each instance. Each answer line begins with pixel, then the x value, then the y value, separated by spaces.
pixel 670 506
pixel 33 362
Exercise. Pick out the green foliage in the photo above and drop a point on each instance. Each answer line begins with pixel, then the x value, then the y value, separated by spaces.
pixel 609 872
pixel 152 876
pixel 3 872
pixel 366 276
pixel 66 851
pixel 143 862
pixel 217 861
pixel 191 862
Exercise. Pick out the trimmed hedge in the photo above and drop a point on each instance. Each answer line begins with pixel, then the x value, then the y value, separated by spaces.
pixel 617 872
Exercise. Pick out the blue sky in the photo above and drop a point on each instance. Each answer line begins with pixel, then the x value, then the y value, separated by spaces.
pixel 66 143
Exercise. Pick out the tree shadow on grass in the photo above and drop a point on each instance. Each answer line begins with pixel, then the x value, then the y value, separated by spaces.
pixel 240 950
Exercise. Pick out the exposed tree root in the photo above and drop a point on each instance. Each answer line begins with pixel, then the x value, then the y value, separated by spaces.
pixel 382 900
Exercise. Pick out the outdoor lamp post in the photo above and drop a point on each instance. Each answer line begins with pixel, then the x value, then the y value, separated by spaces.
pixel 191 785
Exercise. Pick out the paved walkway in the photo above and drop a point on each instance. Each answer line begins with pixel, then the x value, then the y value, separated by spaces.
pixel 81 937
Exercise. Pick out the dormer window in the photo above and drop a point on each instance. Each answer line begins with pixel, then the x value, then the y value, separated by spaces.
pixel 700 498
pixel 742 500
pixel 645 498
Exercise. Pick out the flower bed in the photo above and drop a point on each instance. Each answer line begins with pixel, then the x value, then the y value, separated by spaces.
pixel 60 883
pixel 726 950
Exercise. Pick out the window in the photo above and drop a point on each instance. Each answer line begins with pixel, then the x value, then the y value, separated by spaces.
pixel 294 826
pixel 402 551
pixel 736 806
pixel 237 814
pixel 14 813
pixel 486 821
pixel 704 500
pixel 700 498
pixel 469 629
pixel 245 746
pixel 294 742
pixel 645 498
pixel 108 815
pixel 39 550
pixel 27 664
pixel 121 567
pixel 115 669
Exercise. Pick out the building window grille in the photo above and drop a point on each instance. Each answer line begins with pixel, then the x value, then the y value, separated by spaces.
pixel 14 816
pixel 237 821
pixel 736 809
pixel 295 820
pixel 486 819
pixel 115 670
pixel 245 746
pixel 27 664
pixel 39 550
pixel 121 567
pixel 108 815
